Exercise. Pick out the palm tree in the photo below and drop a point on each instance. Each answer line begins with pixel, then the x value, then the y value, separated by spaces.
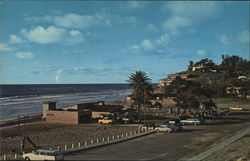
pixel 142 89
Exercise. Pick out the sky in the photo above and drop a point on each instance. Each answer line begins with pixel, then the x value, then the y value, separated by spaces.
pixel 54 42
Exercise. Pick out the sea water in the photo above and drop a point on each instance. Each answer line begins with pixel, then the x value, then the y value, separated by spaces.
pixel 18 100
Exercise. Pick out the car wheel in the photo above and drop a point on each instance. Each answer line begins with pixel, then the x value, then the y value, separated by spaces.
pixel 157 130
pixel 27 158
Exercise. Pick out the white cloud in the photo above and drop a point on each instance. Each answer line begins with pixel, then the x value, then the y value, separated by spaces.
pixel 147 44
pixel 243 37
pixel 239 38
pixel 195 10
pixel 75 37
pixel 151 27
pixel 24 55
pixel 186 15
pixel 43 36
pixel 164 39
pixel 58 75
pixel 4 47
pixel 175 23
pixel 15 39
pixel 134 49
pixel 201 52
pixel 135 4
pixel 76 21
pixel 225 39
pixel 53 34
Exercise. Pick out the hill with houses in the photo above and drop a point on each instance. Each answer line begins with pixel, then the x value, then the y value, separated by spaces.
pixel 229 78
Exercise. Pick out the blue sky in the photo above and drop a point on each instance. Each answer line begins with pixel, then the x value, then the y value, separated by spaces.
pixel 103 42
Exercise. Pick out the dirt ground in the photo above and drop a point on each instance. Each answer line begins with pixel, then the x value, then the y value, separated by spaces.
pixel 237 151
pixel 47 135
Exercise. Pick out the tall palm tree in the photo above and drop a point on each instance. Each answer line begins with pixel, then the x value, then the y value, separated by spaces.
pixel 142 89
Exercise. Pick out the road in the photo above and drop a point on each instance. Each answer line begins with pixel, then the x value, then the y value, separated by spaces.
pixel 165 146
pixel 19 121
pixel 218 146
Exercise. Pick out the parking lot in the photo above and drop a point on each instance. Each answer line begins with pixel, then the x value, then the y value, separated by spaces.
pixel 170 146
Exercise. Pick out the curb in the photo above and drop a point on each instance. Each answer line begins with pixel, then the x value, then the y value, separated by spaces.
pixel 107 142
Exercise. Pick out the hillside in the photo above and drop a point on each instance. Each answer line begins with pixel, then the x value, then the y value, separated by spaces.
pixel 230 78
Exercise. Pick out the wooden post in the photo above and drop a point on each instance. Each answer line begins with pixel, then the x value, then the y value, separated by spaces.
pixel 126 134
pixel 130 132
pixel 58 148
pixel 118 136
pixel 113 137
pixel 108 138
pixel 79 144
pixel 72 146
pixel 65 147
pixel 103 140
pixel 15 156
pixel 91 142
pixel 122 135
pixel 85 143
pixel 4 157
pixel 50 148
pixel 97 140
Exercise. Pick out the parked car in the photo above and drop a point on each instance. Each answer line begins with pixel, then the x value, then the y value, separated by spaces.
pixel 174 121
pixel 174 126
pixel 105 120
pixel 191 121
pixel 163 128
pixel 235 108
pixel 43 155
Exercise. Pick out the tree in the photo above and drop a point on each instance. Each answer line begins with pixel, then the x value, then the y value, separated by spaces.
pixel 191 64
pixel 142 89
pixel 190 96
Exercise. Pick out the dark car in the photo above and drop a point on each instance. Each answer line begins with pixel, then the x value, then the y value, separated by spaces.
pixel 175 127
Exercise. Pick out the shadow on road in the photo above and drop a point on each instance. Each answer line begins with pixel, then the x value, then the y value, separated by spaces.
pixel 188 130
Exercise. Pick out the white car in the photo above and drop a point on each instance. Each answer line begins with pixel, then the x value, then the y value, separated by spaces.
pixel 191 121
pixel 44 155
pixel 163 128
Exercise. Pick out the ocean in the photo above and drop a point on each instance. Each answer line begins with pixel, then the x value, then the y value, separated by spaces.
pixel 18 100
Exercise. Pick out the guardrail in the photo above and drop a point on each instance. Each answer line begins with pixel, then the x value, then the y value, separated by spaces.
pixel 70 148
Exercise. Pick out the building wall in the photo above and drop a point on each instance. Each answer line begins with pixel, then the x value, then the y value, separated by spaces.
pixel 62 116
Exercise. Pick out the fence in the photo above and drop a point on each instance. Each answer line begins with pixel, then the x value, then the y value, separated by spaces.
pixel 94 143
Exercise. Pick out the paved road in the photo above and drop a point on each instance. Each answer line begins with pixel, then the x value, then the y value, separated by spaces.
pixel 219 146
pixel 19 121
pixel 161 146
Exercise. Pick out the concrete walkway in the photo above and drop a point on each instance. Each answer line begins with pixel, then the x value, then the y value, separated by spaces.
pixel 214 148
